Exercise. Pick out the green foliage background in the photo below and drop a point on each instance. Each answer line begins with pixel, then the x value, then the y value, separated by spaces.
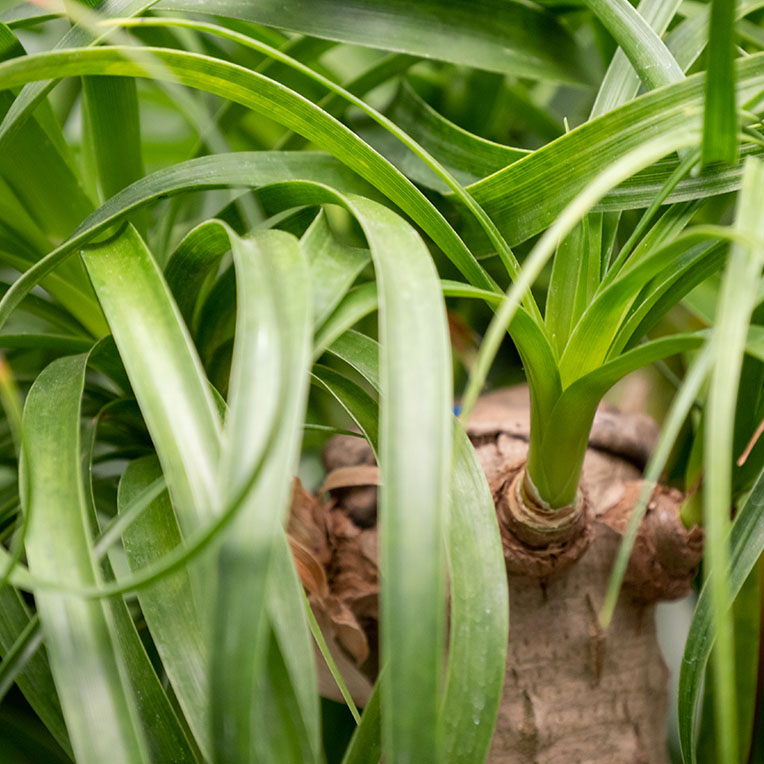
pixel 230 228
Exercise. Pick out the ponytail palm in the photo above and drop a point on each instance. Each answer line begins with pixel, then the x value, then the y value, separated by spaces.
pixel 228 229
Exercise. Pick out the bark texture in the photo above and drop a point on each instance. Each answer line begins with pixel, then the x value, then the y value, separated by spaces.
pixel 572 692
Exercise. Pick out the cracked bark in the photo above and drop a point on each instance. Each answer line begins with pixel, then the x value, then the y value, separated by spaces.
pixel 572 692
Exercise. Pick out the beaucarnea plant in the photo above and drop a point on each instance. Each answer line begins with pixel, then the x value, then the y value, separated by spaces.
pixel 202 205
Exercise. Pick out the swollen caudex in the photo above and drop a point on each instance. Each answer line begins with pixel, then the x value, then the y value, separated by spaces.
pixel 572 691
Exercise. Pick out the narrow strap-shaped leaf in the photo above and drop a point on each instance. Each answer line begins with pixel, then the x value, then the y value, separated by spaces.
pixel 746 610
pixel 165 737
pixel 677 414
pixel 357 303
pixel 16 658
pixel 164 371
pixel 365 746
pixel 35 680
pixel 479 597
pixel 648 54
pixel 534 349
pixel 43 179
pixel 506 255
pixel 292 636
pixel 57 342
pixel 26 14
pixel 240 169
pixel 500 36
pixel 194 263
pixel 737 300
pixel 261 94
pixel 746 546
pixel 268 382
pixel 414 459
pixel 640 191
pixel 168 607
pixel 528 195
pixel 334 266
pixel 37 176
pixel 336 104
pixel 621 82
pixel 111 105
pixel 75 37
pixel 98 705
pixel 663 293
pixel 720 120
pixel 689 38
pixel 642 233
pixel 542 250
pixel 360 352
pixel 479 611
pixel 467 156
pixel 567 429
pixel 567 286
pixel 592 337
pixel 363 409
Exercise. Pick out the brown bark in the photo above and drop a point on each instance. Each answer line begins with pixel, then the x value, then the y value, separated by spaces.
pixel 572 693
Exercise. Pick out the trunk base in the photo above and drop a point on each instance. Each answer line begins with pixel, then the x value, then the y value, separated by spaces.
pixel 573 693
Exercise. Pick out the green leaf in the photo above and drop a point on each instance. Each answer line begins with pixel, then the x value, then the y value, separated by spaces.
pixel 568 290
pixel 680 408
pixel 77 36
pixel 42 199
pixel 98 705
pixel 720 123
pixel 592 337
pixel 640 191
pixel 164 735
pixel 737 300
pixel 39 175
pixel 34 680
pixel 194 263
pixel 621 82
pixel 334 266
pixel 360 352
pixel 542 251
pixel 501 36
pixel 268 384
pixel 746 546
pixel 414 461
pixel 357 303
pixel 689 38
pixel 164 371
pixel 414 451
pixel 467 156
pixel 566 429
pixel 647 53
pixel 663 293
pixel 479 611
pixel 355 400
pixel 111 105
pixel 484 221
pixel 747 616
pixel 366 744
pixel 16 658
pixel 528 195
pixel 479 596
pixel 168 607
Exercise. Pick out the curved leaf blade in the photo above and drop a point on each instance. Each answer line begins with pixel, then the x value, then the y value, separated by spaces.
pixel 98 706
